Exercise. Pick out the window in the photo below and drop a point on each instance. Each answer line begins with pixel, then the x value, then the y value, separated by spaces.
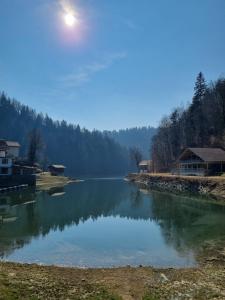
pixel 5 161
pixel 4 171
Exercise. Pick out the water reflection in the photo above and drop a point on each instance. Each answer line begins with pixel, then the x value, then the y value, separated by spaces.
pixel 94 218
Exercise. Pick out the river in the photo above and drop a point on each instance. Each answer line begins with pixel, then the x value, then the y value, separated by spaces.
pixel 106 223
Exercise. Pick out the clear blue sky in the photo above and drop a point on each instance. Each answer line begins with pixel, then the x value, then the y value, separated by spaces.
pixel 124 63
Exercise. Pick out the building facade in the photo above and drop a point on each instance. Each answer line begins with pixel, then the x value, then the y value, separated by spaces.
pixel 10 148
pixel 5 165
pixel 145 166
pixel 200 162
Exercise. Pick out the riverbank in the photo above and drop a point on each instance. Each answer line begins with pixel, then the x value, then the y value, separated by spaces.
pixel 45 181
pixel 19 281
pixel 208 186
pixel 31 281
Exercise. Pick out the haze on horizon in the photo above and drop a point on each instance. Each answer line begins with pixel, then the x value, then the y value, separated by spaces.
pixel 109 64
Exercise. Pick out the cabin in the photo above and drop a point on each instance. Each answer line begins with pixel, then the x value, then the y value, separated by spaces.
pixel 200 162
pixel 11 148
pixel 56 170
pixel 145 166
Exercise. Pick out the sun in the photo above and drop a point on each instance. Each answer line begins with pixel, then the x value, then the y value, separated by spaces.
pixel 70 20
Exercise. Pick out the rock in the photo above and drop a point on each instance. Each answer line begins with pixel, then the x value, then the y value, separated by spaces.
pixel 163 277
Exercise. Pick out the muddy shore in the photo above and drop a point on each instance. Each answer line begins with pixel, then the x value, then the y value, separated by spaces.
pixel 208 186
pixel 31 281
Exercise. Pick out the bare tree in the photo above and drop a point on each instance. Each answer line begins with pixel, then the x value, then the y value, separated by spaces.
pixel 136 156
pixel 35 145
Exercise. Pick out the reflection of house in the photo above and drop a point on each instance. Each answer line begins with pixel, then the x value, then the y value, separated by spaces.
pixel 10 148
pixel 145 166
pixel 56 170
pixel 200 162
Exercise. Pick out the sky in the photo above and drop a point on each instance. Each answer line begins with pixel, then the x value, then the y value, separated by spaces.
pixel 123 63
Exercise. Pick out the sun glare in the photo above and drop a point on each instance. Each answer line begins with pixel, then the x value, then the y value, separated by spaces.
pixel 70 20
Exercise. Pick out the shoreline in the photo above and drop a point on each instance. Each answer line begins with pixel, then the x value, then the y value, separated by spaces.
pixel 45 181
pixel 213 187
pixel 32 281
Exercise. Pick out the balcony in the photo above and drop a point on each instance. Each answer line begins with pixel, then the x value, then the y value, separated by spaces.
pixel 189 172
pixel 191 161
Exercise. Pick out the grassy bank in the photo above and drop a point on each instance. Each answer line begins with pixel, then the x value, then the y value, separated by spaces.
pixel 45 181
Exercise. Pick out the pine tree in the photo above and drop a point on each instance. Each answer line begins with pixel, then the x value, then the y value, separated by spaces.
pixel 200 88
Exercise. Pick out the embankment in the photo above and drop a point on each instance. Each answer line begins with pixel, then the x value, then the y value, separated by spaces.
pixel 208 186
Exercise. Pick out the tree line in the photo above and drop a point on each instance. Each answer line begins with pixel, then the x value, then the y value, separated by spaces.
pixel 83 152
pixel 200 124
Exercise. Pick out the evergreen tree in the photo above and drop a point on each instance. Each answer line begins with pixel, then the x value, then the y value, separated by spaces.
pixel 201 124
pixel 200 88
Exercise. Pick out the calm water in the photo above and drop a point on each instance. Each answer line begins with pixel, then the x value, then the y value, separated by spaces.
pixel 106 223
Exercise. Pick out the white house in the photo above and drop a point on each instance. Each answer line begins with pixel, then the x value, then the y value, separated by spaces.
pixel 10 148
pixel 5 164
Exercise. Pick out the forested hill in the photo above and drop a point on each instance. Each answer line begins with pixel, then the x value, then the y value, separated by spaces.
pixel 81 151
pixel 201 124
pixel 139 137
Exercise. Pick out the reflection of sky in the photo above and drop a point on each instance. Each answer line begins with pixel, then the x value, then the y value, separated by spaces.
pixel 109 241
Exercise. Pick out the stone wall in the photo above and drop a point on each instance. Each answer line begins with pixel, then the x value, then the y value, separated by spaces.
pixel 14 180
pixel 172 183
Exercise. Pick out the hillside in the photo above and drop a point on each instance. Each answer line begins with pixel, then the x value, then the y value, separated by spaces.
pixel 83 152
pixel 140 137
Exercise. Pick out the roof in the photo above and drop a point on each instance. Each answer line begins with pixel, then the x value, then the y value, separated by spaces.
pixel 145 163
pixel 207 154
pixel 4 143
pixel 57 166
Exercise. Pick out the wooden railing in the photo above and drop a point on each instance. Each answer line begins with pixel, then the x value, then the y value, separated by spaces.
pixel 189 171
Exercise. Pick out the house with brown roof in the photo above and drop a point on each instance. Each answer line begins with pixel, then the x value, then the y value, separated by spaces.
pixel 56 170
pixel 200 162
pixel 10 148
pixel 145 166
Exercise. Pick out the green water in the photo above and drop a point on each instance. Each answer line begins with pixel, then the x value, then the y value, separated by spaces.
pixel 107 223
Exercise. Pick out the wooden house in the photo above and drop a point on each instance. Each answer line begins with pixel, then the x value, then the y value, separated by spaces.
pixel 56 170
pixel 200 162
pixel 145 166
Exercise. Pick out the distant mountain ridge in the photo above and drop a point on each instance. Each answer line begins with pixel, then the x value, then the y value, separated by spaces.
pixel 83 152
pixel 140 137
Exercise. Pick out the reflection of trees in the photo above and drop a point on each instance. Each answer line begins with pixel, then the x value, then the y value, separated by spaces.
pixel 80 202
pixel 185 222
